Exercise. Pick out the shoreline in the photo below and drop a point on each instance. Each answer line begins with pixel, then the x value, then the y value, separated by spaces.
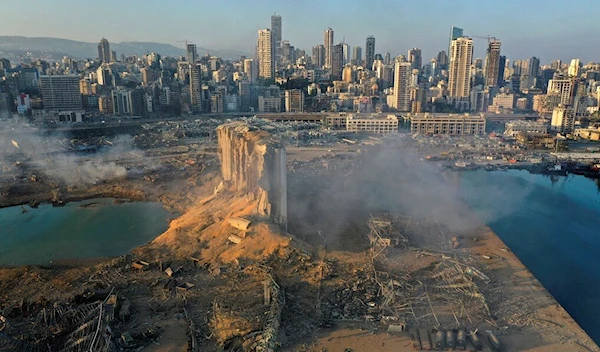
pixel 549 326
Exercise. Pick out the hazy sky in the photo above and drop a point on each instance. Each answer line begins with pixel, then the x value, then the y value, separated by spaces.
pixel 549 29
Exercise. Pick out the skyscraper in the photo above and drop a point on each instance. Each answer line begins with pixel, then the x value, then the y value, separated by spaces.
pixel 520 67
pixel 346 49
pixel 501 67
pixel 104 50
pixel 533 67
pixel 370 52
pixel 276 37
pixel 442 60
pixel 461 57
pixel 387 59
pixel 573 70
pixel 402 80
pixel 195 87
pixel 192 54
pixel 455 33
pixel 318 55
pixel 328 43
pixel 264 54
pixel 337 62
pixel 415 58
pixel 357 55
pixel 492 63
pixel 250 70
pixel 61 92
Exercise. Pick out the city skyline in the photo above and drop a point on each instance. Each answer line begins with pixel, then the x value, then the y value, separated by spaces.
pixel 303 26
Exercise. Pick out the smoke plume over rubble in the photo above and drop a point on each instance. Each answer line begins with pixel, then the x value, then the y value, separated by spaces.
pixel 71 161
pixel 337 196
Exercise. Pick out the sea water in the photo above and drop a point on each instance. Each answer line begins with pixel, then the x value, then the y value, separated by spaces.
pixel 104 229
pixel 552 224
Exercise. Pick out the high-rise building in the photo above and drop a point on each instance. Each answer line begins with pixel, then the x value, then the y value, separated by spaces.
pixel 415 58
pixel 520 67
pixel 85 87
pixel 455 33
pixel 195 71
pixel 104 50
pixel 563 89
pixel 533 67
pixel 287 52
pixel 318 55
pixel 346 50
pixel 216 103
pixel 357 55
pixel 250 70
pixel 370 52
pixel 276 38
pixel 328 43
pixel 192 54
pixel 492 64
pixel 61 92
pixel 337 62
pixel 294 100
pixel 387 59
pixel 556 65
pixel 563 119
pixel 442 60
pixel 264 54
pixel 574 68
pixel 461 57
pixel 402 85
pixel 128 102
pixel 104 76
pixel 348 74
pixel 501 67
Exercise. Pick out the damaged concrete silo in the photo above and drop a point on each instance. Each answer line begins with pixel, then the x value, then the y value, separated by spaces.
pixel 254 163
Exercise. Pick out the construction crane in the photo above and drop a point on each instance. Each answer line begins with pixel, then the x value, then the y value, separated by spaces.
pixel 185 41
pixel 488 37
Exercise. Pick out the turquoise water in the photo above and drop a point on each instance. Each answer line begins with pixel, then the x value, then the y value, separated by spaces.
pixel 552 224
pixel 47 234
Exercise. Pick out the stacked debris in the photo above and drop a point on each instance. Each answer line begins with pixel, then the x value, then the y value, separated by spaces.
pixel 65 327
pixel 444 294
pixel 236 330
pixel 384 233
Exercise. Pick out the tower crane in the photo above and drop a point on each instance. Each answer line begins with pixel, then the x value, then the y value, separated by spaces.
pixel 185 41
pixel 488 37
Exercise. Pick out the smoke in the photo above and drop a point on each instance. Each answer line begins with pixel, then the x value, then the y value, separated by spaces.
pixel 388 179
pixel 31 151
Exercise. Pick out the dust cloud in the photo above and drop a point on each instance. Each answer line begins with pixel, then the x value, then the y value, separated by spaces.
pixel 337 202
pixel 55 155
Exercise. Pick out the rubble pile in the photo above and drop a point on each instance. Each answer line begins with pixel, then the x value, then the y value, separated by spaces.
pixel 168 133
pixel 88 322
pixel 445 294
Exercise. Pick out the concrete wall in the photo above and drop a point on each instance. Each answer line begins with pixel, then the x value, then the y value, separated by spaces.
pixel 254 164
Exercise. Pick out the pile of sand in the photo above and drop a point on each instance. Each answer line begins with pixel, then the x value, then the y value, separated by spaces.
pixel 204 231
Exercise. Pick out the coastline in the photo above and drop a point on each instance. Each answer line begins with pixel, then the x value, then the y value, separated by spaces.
pixel 530 319
pixel 518 284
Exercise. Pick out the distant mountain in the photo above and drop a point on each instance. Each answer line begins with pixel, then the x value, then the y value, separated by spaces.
pixel 60 47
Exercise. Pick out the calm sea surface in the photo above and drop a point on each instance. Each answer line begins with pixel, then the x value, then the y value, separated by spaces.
pixel 47 234
pixel 553 225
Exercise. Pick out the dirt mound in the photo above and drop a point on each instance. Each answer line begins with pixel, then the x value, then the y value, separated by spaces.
pixel 205 232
